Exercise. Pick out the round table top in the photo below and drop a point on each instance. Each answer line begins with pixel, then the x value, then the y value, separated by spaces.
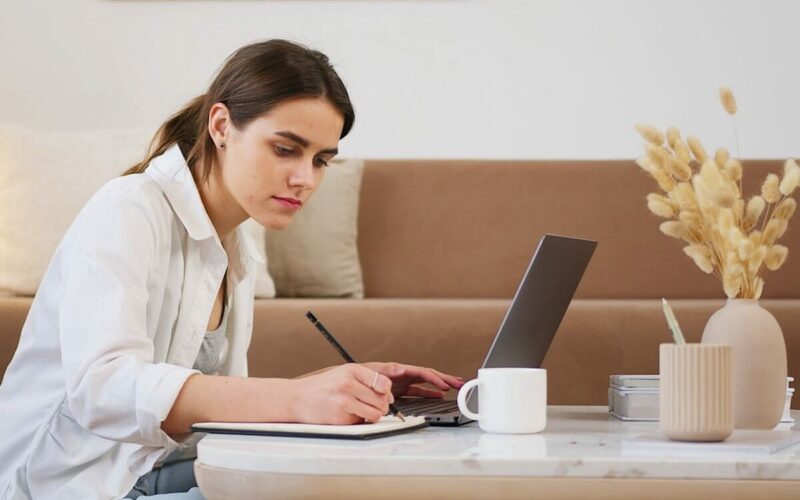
pixel 579 441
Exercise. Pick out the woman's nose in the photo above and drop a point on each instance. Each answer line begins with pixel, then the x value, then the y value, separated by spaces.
pixel 303 176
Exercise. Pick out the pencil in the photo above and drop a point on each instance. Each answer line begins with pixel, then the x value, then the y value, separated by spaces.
pixel 346 355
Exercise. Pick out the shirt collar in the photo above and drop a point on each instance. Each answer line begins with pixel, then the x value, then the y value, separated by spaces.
pixel 172 173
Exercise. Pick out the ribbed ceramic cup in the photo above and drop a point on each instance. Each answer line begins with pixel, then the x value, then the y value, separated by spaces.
pixel 696 391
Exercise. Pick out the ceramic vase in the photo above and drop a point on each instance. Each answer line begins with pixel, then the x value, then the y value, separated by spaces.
pixel 759 361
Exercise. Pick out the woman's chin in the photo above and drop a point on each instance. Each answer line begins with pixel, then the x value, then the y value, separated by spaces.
pixel 275 223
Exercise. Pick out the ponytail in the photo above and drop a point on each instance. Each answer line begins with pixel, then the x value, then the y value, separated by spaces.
pixel 187 128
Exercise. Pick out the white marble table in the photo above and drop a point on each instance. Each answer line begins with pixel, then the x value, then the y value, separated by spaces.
pixel 583 451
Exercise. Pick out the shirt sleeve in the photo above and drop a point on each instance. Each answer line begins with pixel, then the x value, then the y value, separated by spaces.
pixel 114 388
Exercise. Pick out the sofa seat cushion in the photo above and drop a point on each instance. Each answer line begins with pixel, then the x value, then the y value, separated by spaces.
pixel 597 338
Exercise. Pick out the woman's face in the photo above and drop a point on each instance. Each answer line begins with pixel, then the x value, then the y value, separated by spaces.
pixel 274 164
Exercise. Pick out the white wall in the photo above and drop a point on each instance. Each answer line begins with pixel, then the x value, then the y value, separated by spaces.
pixel 446 78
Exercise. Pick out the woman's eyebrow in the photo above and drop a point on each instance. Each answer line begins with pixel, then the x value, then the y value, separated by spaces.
pixel 303 142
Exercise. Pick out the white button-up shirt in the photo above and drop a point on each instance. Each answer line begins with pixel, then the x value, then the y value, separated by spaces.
pixel 112 335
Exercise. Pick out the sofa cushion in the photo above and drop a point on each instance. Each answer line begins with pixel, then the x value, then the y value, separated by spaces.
pixel 45 179
pixel 467 229
pixel 317 255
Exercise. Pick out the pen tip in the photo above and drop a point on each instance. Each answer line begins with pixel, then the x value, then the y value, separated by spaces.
pixel 311 316
pixel 400 415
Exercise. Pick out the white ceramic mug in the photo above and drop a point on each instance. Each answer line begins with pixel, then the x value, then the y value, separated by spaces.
pixel 510 400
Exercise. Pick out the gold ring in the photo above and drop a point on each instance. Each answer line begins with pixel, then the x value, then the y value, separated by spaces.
pixel 375 380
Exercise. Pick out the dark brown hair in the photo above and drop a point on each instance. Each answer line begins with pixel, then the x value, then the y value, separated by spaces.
pixel 252 81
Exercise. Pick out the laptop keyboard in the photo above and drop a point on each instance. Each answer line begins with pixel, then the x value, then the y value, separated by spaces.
pixel 427 407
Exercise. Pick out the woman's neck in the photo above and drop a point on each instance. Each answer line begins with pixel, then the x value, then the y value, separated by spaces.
pixel 222 209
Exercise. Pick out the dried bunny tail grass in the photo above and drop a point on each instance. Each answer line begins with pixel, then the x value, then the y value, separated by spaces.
pixel 658 155
pixel 770 190
pixel 684 195
pixel 717 188
pixel 721 156
pixel 650 134
pixel 725 196
pixel 661 205
pixel 791 179
pixel 745 249
pixel 701 191
pixel 673 136
pixel 758 288
pixel 755 237
pixel 755 207
pixel 785 209
pixel 725 220
pixel 711 174
pixel 645 164
pixel 732 169
pixel 731 286
pixel 789 164
pixel 776 256
pixel 756 259
pixel 774 230
pixel 664 180
pixel 732 258
pixel 732 280
pixel 682 151
pixel 728 101
pixel 697 149
pixel 738 210
pixel 675 229
pixel 783 225
pixel 679 169
pixel 692 220
pixel 701 257
pixel 734 238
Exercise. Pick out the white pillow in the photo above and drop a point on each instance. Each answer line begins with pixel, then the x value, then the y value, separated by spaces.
pixel 45 179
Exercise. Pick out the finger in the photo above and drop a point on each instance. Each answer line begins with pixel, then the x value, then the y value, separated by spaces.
pixel 423 392
pixel 427 375
pixel 380 384
pixel 388 369
pixel 455 382
pixel 365 410
pixel 354 388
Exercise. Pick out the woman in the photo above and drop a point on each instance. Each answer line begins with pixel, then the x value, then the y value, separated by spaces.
pixel 141 324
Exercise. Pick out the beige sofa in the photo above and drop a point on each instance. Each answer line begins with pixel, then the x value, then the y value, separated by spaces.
pixel 443 245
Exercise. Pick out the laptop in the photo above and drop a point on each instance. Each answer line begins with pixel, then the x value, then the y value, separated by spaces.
pixel 530 323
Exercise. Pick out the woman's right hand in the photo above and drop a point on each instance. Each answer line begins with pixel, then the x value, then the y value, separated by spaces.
pixel 342 395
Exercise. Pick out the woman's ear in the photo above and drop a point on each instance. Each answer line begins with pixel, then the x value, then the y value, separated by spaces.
pixel 219 124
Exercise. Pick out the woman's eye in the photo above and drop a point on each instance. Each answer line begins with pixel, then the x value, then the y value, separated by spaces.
pixel 322 162
pixel 283 151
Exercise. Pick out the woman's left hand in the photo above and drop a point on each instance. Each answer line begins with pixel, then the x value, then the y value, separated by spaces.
pixel 404 377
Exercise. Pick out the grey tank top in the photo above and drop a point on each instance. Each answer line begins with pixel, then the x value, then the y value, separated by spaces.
pixel 214 348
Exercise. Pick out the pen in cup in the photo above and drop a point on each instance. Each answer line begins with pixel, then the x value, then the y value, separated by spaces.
pixel 336 345
pixel 672 321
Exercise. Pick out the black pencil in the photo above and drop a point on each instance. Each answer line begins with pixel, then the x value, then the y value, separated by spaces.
pixel 347 357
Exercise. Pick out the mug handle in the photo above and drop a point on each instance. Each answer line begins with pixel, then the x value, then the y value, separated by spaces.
pixel 462 399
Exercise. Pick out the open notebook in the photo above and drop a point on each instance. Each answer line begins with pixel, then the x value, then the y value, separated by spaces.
pixel 387 426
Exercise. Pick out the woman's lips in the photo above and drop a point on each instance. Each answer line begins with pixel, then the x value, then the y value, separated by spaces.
pixel 288 202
